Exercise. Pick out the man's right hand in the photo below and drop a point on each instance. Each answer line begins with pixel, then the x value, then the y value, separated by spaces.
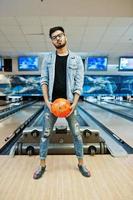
pixel 48 103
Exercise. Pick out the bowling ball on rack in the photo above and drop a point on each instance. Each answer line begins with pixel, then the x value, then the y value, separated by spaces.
pixel 61 107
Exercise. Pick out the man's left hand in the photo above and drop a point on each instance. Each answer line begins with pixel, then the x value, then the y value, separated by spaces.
pixel 73 106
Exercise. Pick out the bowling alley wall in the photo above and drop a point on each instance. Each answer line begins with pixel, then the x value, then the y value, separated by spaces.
pixel 111 81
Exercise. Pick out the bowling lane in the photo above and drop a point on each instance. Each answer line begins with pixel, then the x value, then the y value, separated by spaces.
pixel 117 108
pixel 11 105
pixel 3 107
pixel 10 124
pixel 6 106
pixel 120 103
pixel 121 127
pixel 125 103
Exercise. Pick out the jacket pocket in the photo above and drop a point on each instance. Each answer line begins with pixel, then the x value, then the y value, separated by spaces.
pixel 72 69
pixel 73 66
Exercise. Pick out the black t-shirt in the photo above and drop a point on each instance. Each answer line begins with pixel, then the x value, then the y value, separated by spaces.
pixel 59 89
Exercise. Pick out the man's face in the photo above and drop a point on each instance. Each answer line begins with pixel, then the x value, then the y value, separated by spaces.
pixel 58 39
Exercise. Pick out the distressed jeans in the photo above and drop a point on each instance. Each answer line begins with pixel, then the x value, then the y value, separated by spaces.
pixel 49 121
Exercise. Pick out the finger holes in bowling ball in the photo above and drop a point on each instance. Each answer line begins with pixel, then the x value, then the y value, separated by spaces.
pixel 61 107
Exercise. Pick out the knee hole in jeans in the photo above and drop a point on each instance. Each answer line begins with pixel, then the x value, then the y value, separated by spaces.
pixel 47 115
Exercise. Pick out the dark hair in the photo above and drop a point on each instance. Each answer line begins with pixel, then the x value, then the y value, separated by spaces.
pixel 56 28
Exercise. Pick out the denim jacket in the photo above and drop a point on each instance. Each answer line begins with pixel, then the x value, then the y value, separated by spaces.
pixel 75 74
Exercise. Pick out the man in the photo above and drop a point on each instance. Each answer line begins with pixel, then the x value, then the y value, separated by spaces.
pixel 62 76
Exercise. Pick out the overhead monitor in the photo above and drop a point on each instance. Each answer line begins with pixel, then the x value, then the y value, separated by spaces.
pixel 96 63
pixel 28 63
pixel 126 64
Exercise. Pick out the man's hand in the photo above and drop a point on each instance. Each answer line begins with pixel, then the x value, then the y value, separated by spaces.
pixel 48 103
pixel 73 106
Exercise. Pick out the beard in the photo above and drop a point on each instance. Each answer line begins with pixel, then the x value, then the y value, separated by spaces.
pixel 60 45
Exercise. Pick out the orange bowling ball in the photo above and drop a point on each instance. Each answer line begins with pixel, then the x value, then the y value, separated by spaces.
pixel 61 107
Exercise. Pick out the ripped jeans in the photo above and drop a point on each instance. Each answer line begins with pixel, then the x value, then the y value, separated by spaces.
pixel 49 121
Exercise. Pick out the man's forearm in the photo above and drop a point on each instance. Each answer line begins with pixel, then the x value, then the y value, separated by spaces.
pixel 76 98
pixel 75 102
pixel 45 92
pixel 45 95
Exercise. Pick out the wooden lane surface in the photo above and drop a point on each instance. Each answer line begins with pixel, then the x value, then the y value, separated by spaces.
pixel 10 124
pixel 123 128
pixel 112 178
